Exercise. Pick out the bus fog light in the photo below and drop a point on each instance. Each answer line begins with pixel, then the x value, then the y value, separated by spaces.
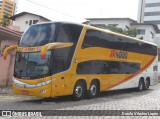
pixel 42 91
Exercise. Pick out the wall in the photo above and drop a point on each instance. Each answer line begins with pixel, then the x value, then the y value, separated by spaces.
pixel 7 66
pixel 147 36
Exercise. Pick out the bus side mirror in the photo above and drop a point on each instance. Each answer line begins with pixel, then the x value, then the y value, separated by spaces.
pixel 47 47
pixel 50 46
pixel 10 48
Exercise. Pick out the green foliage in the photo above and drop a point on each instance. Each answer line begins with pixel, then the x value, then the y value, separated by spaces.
pixel 127 31
pixel 5 21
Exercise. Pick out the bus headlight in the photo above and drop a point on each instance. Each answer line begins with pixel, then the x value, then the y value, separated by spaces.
pixel 42 91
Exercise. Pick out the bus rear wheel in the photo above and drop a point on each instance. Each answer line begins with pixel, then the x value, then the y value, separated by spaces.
pixel 79 91
pixel 140 85
pixel 93 90
pixel 147 83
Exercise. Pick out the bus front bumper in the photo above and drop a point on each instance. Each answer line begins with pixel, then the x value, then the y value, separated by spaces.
pixel 43 91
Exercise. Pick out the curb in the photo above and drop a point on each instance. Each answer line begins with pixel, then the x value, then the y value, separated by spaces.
pixel 5 90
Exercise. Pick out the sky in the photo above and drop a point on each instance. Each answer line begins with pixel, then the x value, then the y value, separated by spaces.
pixel 77 10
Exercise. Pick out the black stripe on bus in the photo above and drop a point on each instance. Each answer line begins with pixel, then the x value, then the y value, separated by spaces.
pixel 95 38
pixel 107 67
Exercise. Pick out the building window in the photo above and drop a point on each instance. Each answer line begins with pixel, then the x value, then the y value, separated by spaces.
pixel 7 10
pixel 153 22
pixel 30 22
pixel 35 21
pixel 26 22
pixel 152 4
pixel 7 7
pixel 152 13
pixel 9 4
pixel 141 31
pixel 127 27
pixel 152 35
pixel 5 13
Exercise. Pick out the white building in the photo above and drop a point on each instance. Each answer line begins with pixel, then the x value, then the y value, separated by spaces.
pixel 146 31
pixel 120 22
pixel 149 12
pixel 24 19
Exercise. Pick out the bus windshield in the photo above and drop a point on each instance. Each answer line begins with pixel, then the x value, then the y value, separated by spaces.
pixel 30 65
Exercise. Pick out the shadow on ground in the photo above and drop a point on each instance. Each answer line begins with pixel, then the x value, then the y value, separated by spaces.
pixel 66 102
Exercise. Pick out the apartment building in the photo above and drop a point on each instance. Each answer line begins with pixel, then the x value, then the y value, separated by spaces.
pixel 7 7
pixel 149 12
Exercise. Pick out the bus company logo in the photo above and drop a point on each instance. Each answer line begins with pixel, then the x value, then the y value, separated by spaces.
pixel 119 54
pixel 6 113
pixel 31 49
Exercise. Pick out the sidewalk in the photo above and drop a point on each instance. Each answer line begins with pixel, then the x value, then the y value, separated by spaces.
pixel 5 90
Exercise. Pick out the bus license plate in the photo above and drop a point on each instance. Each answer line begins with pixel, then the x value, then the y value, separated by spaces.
pixel 25 92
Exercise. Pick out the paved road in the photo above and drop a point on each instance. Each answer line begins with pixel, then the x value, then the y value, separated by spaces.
pixel 113 100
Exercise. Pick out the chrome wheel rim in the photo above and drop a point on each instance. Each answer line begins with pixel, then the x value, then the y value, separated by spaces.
pixel 93 89
pixel 78 91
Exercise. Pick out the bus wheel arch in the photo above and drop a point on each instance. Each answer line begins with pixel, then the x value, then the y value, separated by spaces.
pixel 94 89
pixel 79 90
pixel 141 84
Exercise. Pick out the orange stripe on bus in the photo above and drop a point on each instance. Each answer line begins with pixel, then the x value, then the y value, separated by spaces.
pixel 138 72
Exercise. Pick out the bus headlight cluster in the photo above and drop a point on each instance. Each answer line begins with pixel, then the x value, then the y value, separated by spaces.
pixel 42 91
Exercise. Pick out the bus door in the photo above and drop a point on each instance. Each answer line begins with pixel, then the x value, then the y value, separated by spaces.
pixel 57 85
pixel 61 85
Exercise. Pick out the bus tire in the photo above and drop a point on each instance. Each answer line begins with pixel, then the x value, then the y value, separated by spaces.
pixel 140 85
pixel 93 89
pixel 79 91
pixel 147 84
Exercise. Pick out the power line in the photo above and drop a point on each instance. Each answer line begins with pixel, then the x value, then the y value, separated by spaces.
pixel 51 9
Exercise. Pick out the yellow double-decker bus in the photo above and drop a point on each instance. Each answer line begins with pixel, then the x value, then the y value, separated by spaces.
pixel 60 58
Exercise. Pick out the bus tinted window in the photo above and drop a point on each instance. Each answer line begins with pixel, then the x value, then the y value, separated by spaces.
pixel 61 59
pixel 41 34
pixel 100 39
pixel 107 67
pixel 38 35
pixel 69 33
pixel 95 38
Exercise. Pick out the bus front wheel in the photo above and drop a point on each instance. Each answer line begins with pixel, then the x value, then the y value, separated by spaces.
pixel 79 91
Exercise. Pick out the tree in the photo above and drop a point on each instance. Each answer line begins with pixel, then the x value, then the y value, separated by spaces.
pixel 5 21
pixel 127 31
